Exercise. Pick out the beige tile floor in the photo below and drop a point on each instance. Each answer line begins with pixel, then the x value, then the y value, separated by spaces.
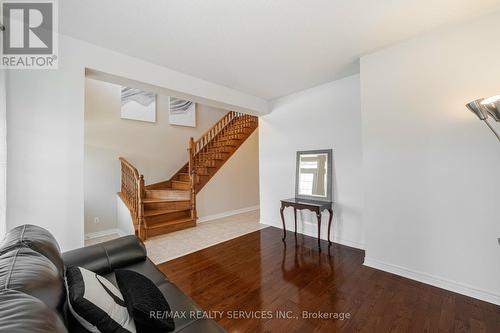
pixel 176 244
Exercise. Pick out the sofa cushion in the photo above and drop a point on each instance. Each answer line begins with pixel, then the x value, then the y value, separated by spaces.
pixel 37 239
pixel 143 299
pixel 22 313
pixel 104 257
pixel 28 271
pixel 96 303
pixel 144 267
pixel 182 306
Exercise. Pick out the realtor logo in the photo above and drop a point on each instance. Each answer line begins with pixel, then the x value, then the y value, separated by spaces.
pixel 29 36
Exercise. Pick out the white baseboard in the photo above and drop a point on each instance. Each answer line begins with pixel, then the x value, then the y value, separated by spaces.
pixel 102 233
pixel 310 229
pixel 227 214
pixel 435 281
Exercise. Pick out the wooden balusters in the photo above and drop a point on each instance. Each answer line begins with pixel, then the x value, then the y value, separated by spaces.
pixel 192 176
pixel 141 228
pixel 132 194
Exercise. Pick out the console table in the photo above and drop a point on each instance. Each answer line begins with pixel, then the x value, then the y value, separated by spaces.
pixel 312 205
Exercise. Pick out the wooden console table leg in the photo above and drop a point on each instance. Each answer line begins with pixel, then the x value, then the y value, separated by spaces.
pixel 318 216
pixel 283 220
pixel 330 225
pixel 295 216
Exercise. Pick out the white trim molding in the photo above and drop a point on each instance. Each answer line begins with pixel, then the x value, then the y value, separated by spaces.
pixel 454 286
pixel 102 233
pixel 228 213
pixel 310 229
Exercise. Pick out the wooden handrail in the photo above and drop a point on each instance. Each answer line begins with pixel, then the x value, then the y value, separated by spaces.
pixel 232 122
pixel 133 192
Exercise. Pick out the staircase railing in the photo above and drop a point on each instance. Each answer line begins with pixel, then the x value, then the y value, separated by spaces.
pixel 213 131
pixel 202 144
pixel 132 193
pixel 232 120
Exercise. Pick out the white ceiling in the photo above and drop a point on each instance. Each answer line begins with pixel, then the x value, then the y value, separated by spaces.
pixel 267 48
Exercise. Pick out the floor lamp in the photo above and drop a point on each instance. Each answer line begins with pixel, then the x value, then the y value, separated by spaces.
pixel 483 108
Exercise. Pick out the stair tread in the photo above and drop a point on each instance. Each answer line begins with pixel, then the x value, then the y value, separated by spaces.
pixel 155 212
pixel 157 200
pixel 166 190
pixel 162 224
pixel 168 194
pixel 213 159
pixel 213 152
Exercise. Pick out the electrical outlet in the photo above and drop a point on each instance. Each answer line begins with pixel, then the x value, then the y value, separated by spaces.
pixel 96 220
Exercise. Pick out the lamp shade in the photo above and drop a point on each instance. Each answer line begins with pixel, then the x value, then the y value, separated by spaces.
pixel 478 109
pixel 493 109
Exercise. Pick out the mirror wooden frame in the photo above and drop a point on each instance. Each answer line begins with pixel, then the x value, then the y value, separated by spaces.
pixel 329 153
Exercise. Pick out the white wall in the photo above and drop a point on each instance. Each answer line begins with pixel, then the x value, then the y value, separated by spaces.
pixel 431 167
pixel 3 153
pixel 45 123
pixel 324 117
pixel 157 150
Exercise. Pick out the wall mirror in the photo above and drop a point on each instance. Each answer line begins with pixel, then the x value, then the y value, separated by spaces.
pixel 313 178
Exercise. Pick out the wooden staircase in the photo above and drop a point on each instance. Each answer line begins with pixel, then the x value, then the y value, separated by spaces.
pixel 171 205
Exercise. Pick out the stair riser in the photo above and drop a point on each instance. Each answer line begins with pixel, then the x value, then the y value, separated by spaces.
pixel 209 166
pixel 214 156
pixel 184 178
pixel 238 134
pixel 167 217
pixel 225 143
pixel 222 149
pixel 206 164
pixel 243 130
pixel 204 171
pixel 231 138
pixel 167 195
pixel 168 205
pixel 166 229
pixel 180 185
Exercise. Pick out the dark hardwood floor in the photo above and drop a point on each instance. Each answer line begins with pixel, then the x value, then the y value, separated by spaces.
pixel 257 272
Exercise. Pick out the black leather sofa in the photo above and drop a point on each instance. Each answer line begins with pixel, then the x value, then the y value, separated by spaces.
pixel 32 290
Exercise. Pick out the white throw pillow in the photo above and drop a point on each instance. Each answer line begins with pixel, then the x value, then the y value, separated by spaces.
pixel 96 303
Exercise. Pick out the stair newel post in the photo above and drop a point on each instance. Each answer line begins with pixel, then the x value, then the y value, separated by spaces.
pixel 140 208
pixel 192 176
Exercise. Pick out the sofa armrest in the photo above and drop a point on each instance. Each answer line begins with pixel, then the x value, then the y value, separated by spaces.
pixel 104 257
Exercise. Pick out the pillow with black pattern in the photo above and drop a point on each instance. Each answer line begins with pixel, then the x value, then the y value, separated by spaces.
pixel 96 303
pixel 144 298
